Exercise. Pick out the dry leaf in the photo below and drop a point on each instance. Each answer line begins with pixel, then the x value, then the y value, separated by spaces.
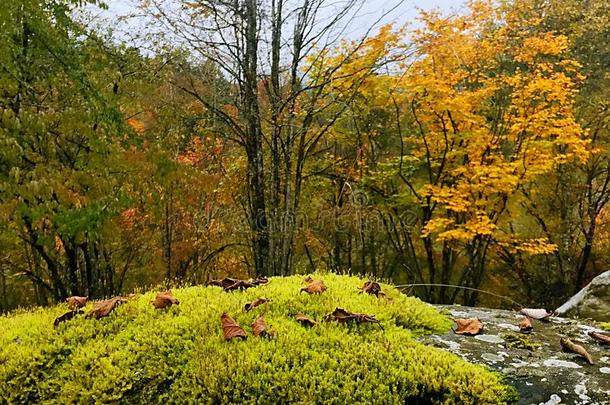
pixel 259 328
pixel 341 315
pixel 569 346
pixel 372 287
pixel 76 302
pixel 470 327
pixel 230 284
pixel 230 328
pixel 165 300
pixel 66 317
pixel 314 287
pixel 305 321
pixel 251 305
pixel 260 281
pixel 224 283
pixel 525 326
pixel 605 339
pixel 539 314
pixel 104 308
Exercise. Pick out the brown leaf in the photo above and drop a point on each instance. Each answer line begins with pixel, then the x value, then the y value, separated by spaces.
pixel 260 281
pixel 569 346
pixel 104 308
pixel 224 283
pixel 304 320
pixel 251 305
pixel 230 328
pixel 259 328
pixel 605 339
pixel 165 300
pixel 230 284
pixel 66 317
pixel 341 315
pixel 470 327
pixel 525 326
pixel 75 302
pixel 314 287
pixel 372 287
pixel 539 314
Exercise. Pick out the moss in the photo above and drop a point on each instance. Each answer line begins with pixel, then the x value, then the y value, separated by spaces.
pixel 139 354
pixel 605 326
pixel 519 341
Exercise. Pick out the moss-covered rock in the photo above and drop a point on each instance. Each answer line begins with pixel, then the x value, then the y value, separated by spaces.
pixel 142 355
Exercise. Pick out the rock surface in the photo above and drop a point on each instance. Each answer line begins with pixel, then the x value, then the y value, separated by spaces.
pixel 591 302
pixel 534 363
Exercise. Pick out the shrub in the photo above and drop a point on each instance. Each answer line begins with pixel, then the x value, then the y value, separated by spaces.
pixel 178 355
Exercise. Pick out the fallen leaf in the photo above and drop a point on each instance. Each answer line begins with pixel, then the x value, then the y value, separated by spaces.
pixel 314 287
pixel 75 302
pixel 569 346
pixel 470 327
pixel 304 320
pixel 230 328
pixel 525 326
pixel 224 283
pixel 259 328
pixel 539 314
pixel 605 339
pixel 341 315
pixel 372 287
pixel 257 302
pixel 260 281
pixel 104 308
pixel 230 284
pixel 66 317
pixel 165 300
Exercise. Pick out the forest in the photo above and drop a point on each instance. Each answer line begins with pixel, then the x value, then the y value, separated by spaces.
pixel 256 138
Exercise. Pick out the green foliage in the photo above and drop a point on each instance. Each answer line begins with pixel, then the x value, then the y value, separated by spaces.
pixel 139 354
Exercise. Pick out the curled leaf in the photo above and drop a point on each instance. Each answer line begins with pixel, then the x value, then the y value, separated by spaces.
pixel 230 284
pixel 569 346
pixel 525 326
pixel 66 317
pixel 259 328
pixel 230 328
pixel 372 287
pixel 224 283
pixel 165 300
pixel 76 302
pixel 104 308
pixel 314 287
pixel 605 339
pixel 304 320
pixel 341 315
pixel 257 302
pixel 470 327
pixel 539 314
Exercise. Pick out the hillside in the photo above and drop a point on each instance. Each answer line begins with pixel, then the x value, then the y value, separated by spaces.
pixel 178 355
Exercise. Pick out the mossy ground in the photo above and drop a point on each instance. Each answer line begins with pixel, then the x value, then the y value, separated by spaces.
pixel 142 355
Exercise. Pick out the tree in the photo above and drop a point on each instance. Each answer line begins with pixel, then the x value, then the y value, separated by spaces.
pixel 277 113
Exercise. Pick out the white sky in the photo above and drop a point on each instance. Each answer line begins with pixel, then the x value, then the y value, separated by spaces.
pixel 372 10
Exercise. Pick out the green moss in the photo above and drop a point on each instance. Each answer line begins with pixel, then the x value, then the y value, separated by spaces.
pixel 605 326
pixel 519 341
pixel 142 355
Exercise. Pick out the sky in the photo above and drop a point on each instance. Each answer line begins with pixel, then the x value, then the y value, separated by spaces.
pixel 399 11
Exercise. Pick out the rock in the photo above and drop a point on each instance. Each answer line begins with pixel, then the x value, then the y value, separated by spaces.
pixel 592 302
pixel 533 363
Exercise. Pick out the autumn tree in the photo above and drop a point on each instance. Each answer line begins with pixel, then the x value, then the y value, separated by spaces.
pixel 276 112
pixel 482 111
